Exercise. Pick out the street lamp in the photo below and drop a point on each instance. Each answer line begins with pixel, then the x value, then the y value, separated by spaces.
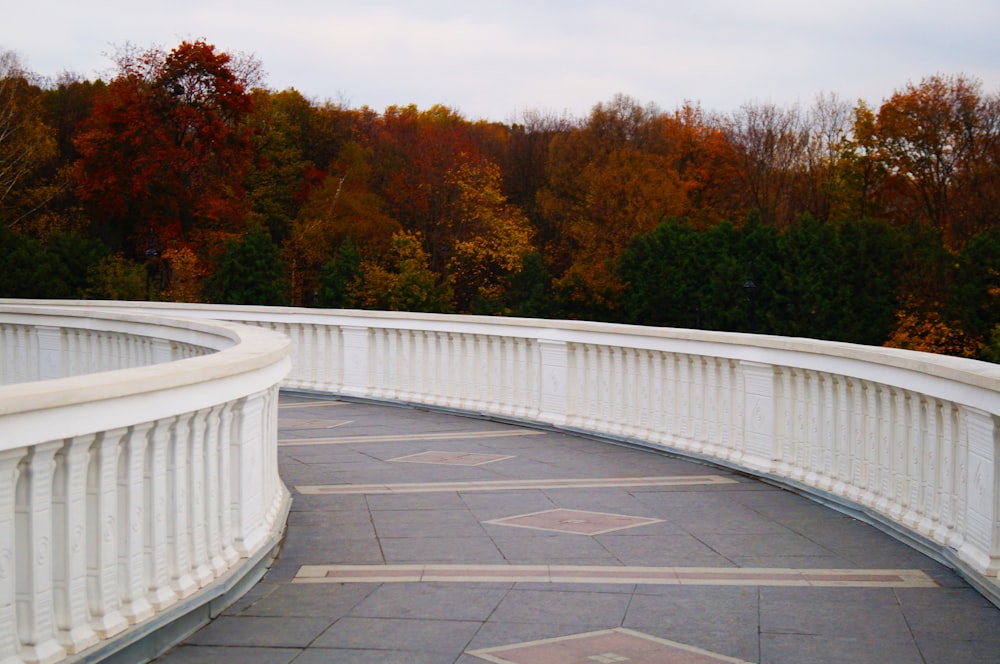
pixel 151 255
pixel 750 288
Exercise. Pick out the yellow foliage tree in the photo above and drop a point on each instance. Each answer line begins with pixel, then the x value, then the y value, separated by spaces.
pixel 492 236
pixel 923 329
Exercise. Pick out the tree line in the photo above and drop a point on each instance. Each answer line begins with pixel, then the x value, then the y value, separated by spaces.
pixel 183 177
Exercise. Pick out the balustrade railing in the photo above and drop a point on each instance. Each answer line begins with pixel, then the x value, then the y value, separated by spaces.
pixel 906 440
pixel 138 472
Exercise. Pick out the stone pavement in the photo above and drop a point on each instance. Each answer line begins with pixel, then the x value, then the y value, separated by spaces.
pixel 421 537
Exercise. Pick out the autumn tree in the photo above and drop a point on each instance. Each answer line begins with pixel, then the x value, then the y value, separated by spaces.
pixel 26 144
pixel 608 181
pixel 402 279
pixel 414 154
pixel 167 146
pixel 770 146
pixel 858 169
pixel 941 140
pixel 491 238
pixel 343 206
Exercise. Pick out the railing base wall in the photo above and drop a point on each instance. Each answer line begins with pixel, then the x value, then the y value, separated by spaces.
pixel 151 639
pixel 989 587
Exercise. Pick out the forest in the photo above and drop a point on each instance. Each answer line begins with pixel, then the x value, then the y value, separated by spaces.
pixel 184 178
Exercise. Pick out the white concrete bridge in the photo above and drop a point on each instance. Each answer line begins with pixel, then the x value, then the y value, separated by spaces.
pixel 140 491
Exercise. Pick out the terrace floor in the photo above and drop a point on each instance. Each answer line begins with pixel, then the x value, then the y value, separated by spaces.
pixel 421 537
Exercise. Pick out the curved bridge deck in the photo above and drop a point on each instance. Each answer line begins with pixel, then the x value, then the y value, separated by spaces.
pixel 422 537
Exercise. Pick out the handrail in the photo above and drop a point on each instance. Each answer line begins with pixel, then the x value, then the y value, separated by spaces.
pixel 129 496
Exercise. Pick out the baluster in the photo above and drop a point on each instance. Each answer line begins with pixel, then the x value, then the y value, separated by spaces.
pixel 33 557
pixel 274 489
pixel 898 445
pixel 131 525
pixel 946 485
pixel 844 439
pixel 931 476
pixel 229 553
pixel 182 580
pixel 199 543
pixel 813 414
pixel 532 360
pixel 213 498
pixel 102 539
pixel 9 638
pixel 160 593
pixel 916 449
pixel 868 471
pixel 655 428
pixel 70 534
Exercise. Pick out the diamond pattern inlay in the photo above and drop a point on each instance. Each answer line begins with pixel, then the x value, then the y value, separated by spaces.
pixel 607 647
pixel 577 522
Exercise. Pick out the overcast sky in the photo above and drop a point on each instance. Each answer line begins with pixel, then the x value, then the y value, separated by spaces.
pixel 492 60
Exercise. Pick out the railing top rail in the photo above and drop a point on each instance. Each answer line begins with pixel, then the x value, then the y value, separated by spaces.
pixel 812 353
pixel 62 407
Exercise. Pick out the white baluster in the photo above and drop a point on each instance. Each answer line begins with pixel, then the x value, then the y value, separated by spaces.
pixel 179 482
pixel 216 561
pixel 247 490
pixel 102 538
pixel 9 638
pixel 199 537
pixel 131 525
pixel 70 535
pixel 160 593
pixel 34 556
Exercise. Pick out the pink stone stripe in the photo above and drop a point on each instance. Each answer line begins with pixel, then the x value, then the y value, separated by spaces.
pixel 510 485
pixel 404 437
pixel 906 578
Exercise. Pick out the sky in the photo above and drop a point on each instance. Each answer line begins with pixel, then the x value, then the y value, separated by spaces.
pixel 497 60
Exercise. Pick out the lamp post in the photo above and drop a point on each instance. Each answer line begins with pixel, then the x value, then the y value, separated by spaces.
pixel 151 255
pixel 750 288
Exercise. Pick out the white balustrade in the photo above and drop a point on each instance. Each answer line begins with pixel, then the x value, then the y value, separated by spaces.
pixel 138 467
pixel 906 440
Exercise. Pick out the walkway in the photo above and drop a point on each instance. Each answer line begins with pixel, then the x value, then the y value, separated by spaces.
pixel 419 537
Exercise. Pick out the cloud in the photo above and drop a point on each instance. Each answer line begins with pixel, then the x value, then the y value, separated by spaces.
pixel 491 59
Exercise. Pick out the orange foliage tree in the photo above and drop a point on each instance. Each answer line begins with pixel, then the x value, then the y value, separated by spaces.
pixel 164 152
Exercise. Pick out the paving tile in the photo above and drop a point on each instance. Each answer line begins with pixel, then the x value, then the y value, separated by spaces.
pixel 581 610
pixel 441 500
pixel 279 632
pixel 946 651
pixel 425 523
pixel 872 614
pixel 437 636
pixel 441 549
pixel 547 548
pixel 327 601
pixel 785 543
pixel 372 656
pixel 630 548
pixel 431 601
pixel 188 654
pixel 800 648
pixel 676 609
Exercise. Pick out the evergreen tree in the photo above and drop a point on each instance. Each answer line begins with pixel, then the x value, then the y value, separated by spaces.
pixel 337 276
pixel 249 272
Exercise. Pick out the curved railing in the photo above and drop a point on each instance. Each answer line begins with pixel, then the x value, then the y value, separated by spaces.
pixel 905 440
pixel 138 474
